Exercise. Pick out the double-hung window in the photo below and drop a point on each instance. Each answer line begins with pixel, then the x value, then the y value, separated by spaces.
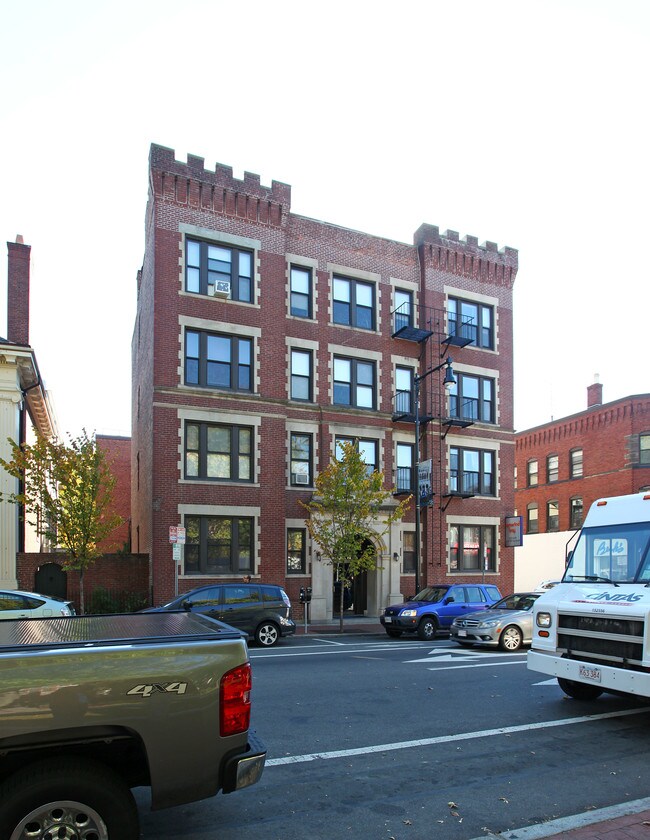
pixel 474 321
pixel 301 459
pixel 354 382
pixel 301 363
pixel 472 398
pixel 218 361
pixel 367 450
pixel 552 468
pixel 301 292
pixel 296 551
pixel 471 471
pixel 403 316
pixel 354 303
pixel 214 268
pixel 218 545
pixel 404 390
pixel 532 473
pixel 552 516
pixel 644 448
pixel 532 518
pixel 408 552
pixel 575 463
pixel 472 548
pixel 218 452
pixel 405 477
pixel 576 510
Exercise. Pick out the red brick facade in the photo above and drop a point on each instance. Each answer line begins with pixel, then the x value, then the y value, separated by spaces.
pixel 610 439
pixel 117 451
pixel 189 204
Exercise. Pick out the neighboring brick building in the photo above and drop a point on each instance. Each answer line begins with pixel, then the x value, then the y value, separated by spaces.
pixel 262 338
pixel 565 465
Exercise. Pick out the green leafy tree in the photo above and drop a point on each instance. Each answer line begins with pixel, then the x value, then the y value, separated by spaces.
pixel 66 491
pixel 348 514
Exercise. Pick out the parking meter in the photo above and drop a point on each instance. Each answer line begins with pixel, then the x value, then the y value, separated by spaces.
pixel 305 598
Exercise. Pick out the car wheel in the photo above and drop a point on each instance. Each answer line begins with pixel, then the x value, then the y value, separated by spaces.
pixel 394 634
pixel 67 798
pixel 511 638
pixel 579 691
pixel 267 634
pixel 427 629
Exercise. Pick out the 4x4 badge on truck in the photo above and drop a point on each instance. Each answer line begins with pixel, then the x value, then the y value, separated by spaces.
pixel 163 688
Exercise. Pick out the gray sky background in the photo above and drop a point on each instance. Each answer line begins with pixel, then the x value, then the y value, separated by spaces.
pixel 523 122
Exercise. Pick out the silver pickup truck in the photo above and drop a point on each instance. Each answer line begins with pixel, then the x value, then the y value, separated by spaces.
pixel 92 706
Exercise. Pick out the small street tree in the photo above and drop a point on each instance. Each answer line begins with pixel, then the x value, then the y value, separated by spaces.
pixel 66 491
pixel 347 515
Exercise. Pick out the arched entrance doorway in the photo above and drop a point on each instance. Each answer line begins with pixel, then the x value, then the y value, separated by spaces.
pixel 50 579
pixel 355 595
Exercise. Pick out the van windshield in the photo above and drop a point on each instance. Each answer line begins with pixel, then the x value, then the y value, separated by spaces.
pixel 616 553
pixel 432 594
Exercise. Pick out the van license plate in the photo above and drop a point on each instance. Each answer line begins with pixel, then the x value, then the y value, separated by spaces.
pixel 586 673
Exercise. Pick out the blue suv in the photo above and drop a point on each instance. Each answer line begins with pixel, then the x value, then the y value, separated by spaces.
pixel 435 607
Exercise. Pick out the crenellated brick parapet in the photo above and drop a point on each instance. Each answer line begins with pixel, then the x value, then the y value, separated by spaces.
pixel 466 257
pixel 192 184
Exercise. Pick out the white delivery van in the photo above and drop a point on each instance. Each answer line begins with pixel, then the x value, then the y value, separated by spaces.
pixel 592 630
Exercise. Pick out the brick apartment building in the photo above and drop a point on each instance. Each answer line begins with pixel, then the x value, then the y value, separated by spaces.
pixel 263 339
pixel 565 465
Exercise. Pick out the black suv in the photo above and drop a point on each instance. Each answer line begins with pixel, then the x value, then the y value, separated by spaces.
pixel 261 610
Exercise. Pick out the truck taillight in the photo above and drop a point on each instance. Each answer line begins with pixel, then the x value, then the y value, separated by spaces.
pixel 235 700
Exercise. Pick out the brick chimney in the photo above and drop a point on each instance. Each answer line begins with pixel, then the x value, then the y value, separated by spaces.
pixel 594 393
pixel 18 292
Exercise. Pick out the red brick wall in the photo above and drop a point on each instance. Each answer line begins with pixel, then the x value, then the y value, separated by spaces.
pixel 117 451
pixel 116 573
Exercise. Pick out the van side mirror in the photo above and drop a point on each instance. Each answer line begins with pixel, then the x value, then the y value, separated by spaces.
pixel 449 600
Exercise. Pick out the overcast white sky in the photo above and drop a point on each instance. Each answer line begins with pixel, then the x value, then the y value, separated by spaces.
pixel 524 122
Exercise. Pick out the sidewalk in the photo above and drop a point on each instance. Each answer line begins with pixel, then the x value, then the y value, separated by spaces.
pixel 351 624
pixel 627 821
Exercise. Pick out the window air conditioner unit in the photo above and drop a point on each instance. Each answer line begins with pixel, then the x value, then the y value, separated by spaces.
pixel 301 478
pixel 221 289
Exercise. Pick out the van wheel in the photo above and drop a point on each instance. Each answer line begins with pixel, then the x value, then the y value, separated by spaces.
pixel 69 797
pixel 579 691
pixel 267 634
pixel 427 629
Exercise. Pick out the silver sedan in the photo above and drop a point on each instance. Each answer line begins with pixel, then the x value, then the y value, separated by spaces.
pixel 508 624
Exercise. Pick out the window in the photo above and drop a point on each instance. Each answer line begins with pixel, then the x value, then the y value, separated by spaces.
pixel 471 320
pixel 532 518
pixel 354 303
pixel 218 361
pixel 404 482
pixel 403 309
pixel 472 398
pixel 301 294
pixel 552 468
pixel 209 265
pixel 408 552
pixel 218 452
pixel 533 476
pixel 366 448
pixel 296 551
pixel 404 390
pixel 644 449
pixel 354 382
pixel 471 471
pixel 218 545
pixel 552 516
pixel 301 375
pixel 575 463
pixel 301 446
pixel 472 548
pixel 515 477
pixel 576 509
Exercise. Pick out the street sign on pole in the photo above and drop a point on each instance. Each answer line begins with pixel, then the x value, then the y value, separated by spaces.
pixel 173 533
pixel 180 534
